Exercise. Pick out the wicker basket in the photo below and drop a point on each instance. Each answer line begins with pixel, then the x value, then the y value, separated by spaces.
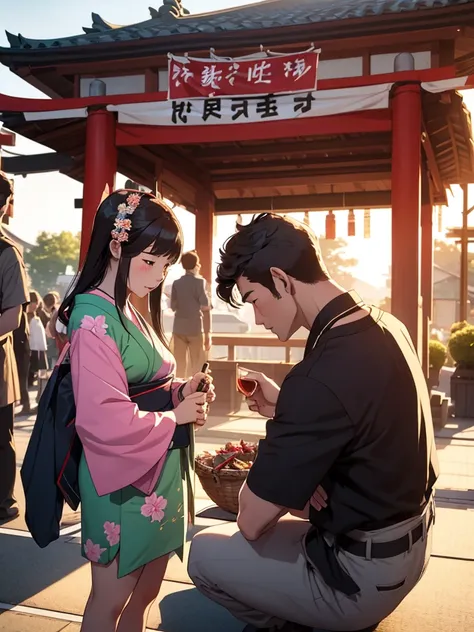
pixel 222 486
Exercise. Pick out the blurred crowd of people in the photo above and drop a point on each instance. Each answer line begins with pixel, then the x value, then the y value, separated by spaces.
pixel 36 343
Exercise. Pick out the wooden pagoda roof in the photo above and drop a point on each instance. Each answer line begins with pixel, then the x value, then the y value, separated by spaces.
pixel 311 172
pixel 317 19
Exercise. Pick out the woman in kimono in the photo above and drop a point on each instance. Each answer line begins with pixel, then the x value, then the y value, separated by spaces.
pixel 133 487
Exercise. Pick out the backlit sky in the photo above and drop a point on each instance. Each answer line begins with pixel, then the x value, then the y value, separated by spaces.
pixel 46 202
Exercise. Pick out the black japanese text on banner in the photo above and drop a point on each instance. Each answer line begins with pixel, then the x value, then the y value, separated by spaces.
pixel 227 111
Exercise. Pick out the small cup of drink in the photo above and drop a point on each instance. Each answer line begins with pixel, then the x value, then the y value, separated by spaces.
pixel 245 385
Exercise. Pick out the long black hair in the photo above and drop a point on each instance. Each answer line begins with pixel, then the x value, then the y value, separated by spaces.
pixel 152 223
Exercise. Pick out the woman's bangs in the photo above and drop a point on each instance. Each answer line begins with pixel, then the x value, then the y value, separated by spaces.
pixel 168 241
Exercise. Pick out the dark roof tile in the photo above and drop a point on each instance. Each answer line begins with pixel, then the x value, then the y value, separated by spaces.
pixel 172 18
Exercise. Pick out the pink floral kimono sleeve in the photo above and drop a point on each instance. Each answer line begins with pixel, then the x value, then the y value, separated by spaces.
pixel 122 444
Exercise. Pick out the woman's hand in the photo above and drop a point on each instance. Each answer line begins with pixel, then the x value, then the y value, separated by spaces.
pixel 264 400
pixel 193 409
pixel 193 383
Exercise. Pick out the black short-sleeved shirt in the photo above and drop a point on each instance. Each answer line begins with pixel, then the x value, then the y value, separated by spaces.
pixel 349 417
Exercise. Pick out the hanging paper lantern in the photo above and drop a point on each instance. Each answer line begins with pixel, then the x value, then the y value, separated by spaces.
pixel 306 218
pixel 351 224
pixel 330 225
pixel 367 224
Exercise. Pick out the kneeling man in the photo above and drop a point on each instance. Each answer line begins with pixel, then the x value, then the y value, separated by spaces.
pixel 335 520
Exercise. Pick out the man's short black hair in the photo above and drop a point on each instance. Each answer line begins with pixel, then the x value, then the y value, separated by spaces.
pixel 5 189
pixel 190 260
pixel 269 241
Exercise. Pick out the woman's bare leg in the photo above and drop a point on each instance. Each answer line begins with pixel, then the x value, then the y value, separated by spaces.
pixel 109 595
pixel 135 614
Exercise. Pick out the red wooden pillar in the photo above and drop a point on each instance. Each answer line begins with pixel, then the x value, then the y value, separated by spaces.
pixel 100 166
pixel 426 278
pixel 406 189
pixel 204 232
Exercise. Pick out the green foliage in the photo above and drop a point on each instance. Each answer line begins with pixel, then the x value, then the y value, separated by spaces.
pixel 447 255
pixel 437 354
pixel 50 258
pixel 461 347
pixel 338 264
pixel 462 324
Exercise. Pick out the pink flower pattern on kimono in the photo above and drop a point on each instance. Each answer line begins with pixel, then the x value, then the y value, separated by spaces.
pixel 93 551
pixel 154 507
pixel 97 325
pixel 112 531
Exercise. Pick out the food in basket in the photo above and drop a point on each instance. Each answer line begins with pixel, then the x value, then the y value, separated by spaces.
pixel 233 456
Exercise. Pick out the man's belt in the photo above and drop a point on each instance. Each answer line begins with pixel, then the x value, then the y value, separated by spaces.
pixel 383 550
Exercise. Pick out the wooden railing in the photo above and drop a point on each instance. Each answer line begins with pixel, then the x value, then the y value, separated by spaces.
pixel 252 340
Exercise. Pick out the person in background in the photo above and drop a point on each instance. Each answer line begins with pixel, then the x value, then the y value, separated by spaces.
pixel 13 298
pixel 21 346
pixel 42 313
pixel 51 300
pixel 38 346
pixel 190 302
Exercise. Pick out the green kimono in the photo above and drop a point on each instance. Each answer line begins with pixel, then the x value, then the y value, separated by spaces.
pixel 136 494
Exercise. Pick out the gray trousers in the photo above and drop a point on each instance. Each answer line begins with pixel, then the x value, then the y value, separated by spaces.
pixel 189 354
pixel 271 581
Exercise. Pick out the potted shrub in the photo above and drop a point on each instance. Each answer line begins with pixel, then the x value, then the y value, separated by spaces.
pixel 462 324
pixel 461 348
pixel 437 357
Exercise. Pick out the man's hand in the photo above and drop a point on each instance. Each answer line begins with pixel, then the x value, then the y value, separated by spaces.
pixel 318 501
pixel 207 342
pixel 263 401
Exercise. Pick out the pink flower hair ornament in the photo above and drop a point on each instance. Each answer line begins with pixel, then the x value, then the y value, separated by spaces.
pixel 122 225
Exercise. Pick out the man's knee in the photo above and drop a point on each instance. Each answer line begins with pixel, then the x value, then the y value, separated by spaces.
pixel 200 551
pixel 206 547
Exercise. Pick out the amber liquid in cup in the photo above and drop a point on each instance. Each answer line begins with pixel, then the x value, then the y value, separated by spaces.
pixel 246 386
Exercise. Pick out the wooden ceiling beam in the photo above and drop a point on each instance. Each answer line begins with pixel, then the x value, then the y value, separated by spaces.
pixel 257 181
pixel 66 129
pixel 323 201
pixel 432 163
pixel 330 146
pixel 323 167
pixel 182 167
pixel 360 122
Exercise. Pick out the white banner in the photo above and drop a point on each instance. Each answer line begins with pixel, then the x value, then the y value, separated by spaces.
pixel 225 111
pixel 228 110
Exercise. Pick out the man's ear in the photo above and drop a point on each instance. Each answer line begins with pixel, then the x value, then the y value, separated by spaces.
pixel 115 248
pixel 282 281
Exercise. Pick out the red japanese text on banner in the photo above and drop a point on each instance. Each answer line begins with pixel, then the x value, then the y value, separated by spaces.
pixel 190 78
